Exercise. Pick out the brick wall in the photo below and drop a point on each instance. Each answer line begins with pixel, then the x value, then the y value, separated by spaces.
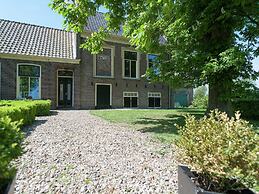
pixel 119 85
pixel 84 82
pixel 48 79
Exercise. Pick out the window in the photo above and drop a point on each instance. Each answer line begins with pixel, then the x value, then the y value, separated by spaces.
pixel 130 99
pixel 130 64
pixel 152 60
pixel 154 99
pixel 103 63
pixel 28 81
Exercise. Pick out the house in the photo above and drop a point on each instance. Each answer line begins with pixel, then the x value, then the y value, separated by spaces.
pixel 45 63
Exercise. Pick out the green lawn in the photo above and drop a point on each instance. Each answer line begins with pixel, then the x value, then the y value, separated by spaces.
pixel 159 122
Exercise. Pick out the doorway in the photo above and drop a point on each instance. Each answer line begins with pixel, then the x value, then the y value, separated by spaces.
pixel 103 96
pixel 65 89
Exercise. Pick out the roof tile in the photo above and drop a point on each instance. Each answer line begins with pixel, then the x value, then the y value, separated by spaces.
pixel 28 39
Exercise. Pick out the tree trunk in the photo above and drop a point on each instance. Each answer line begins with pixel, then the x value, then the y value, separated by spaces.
pixel 219 97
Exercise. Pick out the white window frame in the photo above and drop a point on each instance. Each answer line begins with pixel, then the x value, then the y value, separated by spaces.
pixel 18 79
pixel 123 49
pixel 112 63
pixel 95 92
pixel 131 94
pixel 155 95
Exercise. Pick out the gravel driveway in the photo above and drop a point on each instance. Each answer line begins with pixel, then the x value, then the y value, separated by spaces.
pixel 75 152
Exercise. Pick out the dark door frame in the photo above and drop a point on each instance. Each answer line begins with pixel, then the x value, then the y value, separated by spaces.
pixel 73 88
pixel 95 99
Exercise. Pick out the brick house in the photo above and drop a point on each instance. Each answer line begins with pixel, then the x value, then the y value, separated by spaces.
pixel 45 63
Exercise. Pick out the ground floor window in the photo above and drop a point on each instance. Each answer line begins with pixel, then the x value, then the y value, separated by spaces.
pixel 154 99
pixel 130 99
pixel 28 81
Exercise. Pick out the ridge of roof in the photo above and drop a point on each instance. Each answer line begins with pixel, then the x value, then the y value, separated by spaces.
pixel 35 25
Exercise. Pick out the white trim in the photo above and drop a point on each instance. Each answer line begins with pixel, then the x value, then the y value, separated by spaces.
pixel 112 62
pixel 38 58
pixel 95 92
pixel 130 94
pixel 154 94
pixel 73 85
pixel 18 79
pixel 130 49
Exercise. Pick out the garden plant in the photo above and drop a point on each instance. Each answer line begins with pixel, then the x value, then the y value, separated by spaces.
pixel 223 151
pixel 14 115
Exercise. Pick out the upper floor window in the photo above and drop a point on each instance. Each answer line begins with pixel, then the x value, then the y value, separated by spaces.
pixel 152 60
pixel 130 61
pixel 103 63
pixel 28 81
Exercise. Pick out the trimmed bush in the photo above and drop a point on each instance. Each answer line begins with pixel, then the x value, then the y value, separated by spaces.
pixel 224 151
pixel 42 107
pixel 10 148
pixel 249 108
pixel 24 110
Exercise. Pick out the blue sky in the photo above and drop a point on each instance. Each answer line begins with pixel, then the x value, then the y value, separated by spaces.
pixel 38 12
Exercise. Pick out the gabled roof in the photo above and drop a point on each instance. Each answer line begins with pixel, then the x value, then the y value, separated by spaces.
pixel 32 40
pixel 97 21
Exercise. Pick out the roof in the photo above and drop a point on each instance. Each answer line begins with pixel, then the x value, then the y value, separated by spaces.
pixel 33 40
pixel 97 21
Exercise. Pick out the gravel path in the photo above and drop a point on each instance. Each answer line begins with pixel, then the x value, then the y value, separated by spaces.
pixel 75 152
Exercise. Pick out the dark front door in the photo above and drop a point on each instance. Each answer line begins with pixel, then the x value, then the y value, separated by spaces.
pixel 103 97
pixel 65 92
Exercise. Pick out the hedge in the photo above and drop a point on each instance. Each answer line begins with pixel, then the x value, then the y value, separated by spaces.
pixel 10 148
pixel 24 110
pixel 13 115
pixel 249 108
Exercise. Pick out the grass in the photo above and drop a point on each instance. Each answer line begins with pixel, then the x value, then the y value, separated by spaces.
pixel 161 123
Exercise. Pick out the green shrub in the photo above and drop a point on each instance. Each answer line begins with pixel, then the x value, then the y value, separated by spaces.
pixel 249 108
pixel 222 149
pixel 42 107
pixel 10 148
pixel 18 112
pixel 24 110
pixel 200 102
pixel 200 99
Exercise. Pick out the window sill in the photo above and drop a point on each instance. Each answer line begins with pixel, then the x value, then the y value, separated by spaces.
pixel 104 77
pixel 130 78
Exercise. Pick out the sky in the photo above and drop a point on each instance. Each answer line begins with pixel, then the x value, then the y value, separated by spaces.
pixel 38 12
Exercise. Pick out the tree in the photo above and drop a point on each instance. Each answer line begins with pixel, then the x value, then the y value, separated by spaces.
pixel 200 99
pixel 198 41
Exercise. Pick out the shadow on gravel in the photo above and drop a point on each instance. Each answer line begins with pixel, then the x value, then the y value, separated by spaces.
pixel 30 128
pixel 53 112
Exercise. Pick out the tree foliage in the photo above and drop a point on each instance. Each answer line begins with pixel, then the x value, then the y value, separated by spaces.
pixel 200 98
pixel 198 42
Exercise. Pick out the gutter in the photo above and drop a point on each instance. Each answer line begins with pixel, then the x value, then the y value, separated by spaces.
pixel 38 58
